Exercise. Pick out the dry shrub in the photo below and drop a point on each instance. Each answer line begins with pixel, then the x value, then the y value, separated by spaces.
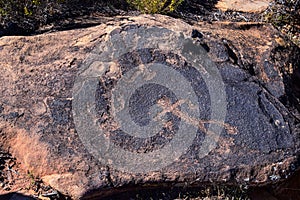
pixel 155 6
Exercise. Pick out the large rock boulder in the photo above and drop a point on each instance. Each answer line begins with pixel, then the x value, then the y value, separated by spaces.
pixel 151 101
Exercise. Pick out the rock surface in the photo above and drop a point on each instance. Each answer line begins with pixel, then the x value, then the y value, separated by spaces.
pixel 37 78
pixel 243 5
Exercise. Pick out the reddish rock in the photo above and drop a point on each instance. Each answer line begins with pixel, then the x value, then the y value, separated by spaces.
pixel 243 5
pixel 259 141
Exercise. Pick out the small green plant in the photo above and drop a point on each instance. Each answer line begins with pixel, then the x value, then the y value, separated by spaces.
pixel 285 16
pixel 31 177
pixel 25 16
pixel 155 6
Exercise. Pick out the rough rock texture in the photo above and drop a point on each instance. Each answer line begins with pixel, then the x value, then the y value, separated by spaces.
pixel 37 75
pixel 243 5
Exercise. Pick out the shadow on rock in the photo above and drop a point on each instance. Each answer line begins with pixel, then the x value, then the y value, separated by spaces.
pixel 296 82
pixel 198 7
pixel 15 196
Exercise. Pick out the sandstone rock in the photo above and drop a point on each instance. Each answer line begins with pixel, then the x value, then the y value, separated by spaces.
pixel 46 82
pixel 243 5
